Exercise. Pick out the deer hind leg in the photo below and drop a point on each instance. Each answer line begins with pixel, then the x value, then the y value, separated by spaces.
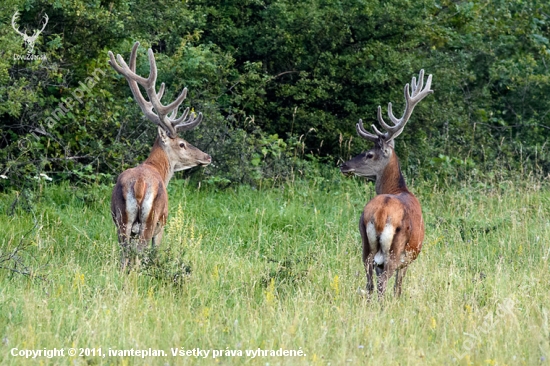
pixel 124 239
pixel 124 217
pixel 368 255
pixel 155 242
pixel 159 227
pixel 148 218
pixel 393 261
pixel 399 274
pixel 157 238
pixel 389 267
pixel 148 233
pixel 146 237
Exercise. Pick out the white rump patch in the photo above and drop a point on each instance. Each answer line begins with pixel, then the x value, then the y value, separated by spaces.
pixel 146 205
pixel 386 238
pixel 371 235
pixel 131 207
pixel 383 245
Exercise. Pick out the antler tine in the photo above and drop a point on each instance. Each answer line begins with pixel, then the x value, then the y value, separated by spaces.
pixel 173 114
pixel 407 94
pixel 364 134
pixel 133 79
pixel 189 123
pixel 416 87
pixel 132 67
pixel 429 84
pixel 128 71
pixel 380 134
pixel 154 97
pixel 161 91
pixel 411 99
pixel 133 57
pixel 165 115
pixel 176 121
pixel 163 110
pixel 419 92
pixel 166 109
pixel 122 68
pixel 381 120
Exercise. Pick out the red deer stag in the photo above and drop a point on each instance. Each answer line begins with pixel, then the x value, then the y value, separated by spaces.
pixel 139 203
pixel 391 224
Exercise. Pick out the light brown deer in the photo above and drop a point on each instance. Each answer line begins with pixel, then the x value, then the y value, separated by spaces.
pixel 391 225
pixel 139 204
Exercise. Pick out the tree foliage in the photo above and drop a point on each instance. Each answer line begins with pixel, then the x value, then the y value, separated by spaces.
pixel 277 81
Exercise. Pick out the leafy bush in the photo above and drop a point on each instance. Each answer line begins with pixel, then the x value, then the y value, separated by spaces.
pixel 278 82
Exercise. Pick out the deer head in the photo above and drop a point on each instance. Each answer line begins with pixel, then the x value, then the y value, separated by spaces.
pixel 181 154
pixel 372 163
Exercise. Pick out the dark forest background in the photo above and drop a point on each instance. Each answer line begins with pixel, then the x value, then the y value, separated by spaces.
pixel 281 85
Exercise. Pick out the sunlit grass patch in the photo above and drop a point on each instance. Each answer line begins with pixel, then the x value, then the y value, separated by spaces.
pixel 281 268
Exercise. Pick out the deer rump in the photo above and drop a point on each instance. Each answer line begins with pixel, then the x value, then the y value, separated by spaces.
pixel 139 204
pixel 388 223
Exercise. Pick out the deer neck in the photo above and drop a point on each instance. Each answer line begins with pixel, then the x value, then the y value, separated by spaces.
pixel 391 180
pixel 158 160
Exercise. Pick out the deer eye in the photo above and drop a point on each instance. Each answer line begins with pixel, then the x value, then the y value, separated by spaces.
pixel 182 145
pixel 369 156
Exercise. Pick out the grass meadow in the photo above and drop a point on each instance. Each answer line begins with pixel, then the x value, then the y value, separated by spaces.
pixel 279 267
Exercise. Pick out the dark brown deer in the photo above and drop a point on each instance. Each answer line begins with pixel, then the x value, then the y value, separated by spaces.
pixel 391 225
pixel 139 204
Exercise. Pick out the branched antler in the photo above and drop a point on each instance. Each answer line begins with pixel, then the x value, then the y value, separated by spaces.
pixel 166 115
pixel 411 99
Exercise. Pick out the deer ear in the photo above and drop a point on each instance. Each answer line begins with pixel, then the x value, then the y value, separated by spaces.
pixel 163 135
pixel 387 148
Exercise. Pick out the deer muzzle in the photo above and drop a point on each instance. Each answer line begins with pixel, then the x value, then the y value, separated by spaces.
pixel 346 169
pixel 206 160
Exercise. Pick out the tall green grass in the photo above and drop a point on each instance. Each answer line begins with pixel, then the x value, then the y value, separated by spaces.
pixel 280 267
